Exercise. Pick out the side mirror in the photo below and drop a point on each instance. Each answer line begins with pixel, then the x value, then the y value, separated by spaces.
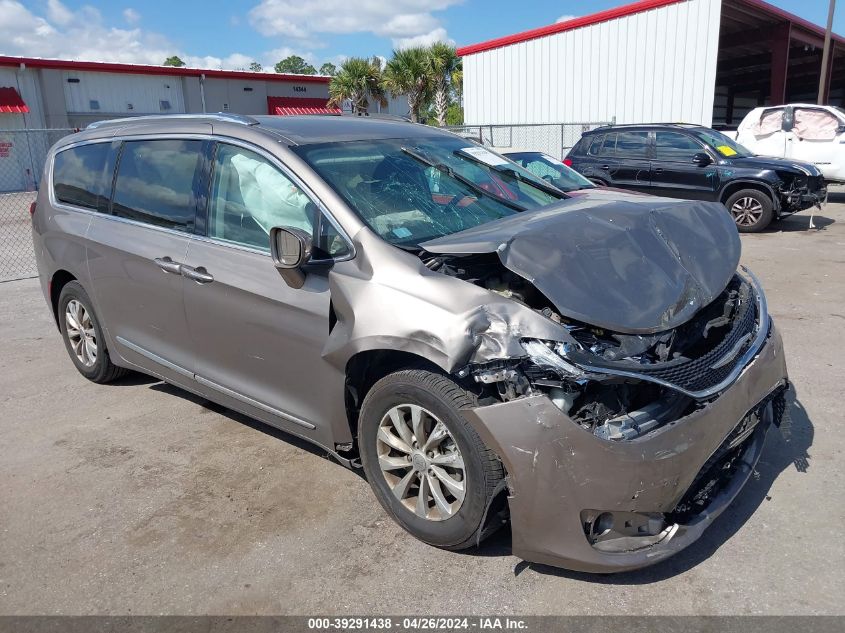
pixel 291 249
pixel 840 129
pixel 702 159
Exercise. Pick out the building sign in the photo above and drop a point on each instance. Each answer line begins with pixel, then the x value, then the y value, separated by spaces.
pixel 5 149
pixel 300 89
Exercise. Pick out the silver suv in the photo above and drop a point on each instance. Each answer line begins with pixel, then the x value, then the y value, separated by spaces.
pixel 595 370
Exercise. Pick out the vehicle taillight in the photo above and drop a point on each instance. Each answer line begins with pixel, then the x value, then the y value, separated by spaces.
pixel 32 209
pixel 567 162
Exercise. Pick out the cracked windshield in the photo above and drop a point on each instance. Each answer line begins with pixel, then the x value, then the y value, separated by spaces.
pixel 412 190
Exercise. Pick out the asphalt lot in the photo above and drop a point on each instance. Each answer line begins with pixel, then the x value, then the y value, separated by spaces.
pixel 138 498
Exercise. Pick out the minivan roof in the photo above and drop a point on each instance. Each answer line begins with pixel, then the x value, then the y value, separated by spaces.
pixel 291 130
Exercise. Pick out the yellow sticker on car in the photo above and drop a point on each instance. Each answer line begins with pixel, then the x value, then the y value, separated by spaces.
pixel 726 150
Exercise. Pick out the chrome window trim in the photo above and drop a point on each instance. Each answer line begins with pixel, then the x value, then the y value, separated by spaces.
pixel 203 238
pixel 763 325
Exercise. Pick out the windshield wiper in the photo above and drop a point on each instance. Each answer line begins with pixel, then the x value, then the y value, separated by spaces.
pixel 441 167
pixel 542 186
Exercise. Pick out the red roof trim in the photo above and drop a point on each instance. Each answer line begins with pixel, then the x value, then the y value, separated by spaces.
pixel 621 12
pixel 11 102
pixel 142 69
pixel 576 23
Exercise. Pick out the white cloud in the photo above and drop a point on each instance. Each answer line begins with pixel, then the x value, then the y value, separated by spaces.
pixel 235 61
pixel 131 16
pixel 566 18
pixel 83 35
pixel 425 39
pixel 401 20
pixel 58 13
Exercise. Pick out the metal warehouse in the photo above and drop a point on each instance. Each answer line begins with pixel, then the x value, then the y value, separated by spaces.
pixel 696 61
pixel 49 98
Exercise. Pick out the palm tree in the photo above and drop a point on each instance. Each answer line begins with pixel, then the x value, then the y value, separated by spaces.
pixel 445 68
pixel 357 80
pixel 408 73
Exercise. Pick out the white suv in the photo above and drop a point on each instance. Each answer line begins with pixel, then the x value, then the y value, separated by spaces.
pixel 806 132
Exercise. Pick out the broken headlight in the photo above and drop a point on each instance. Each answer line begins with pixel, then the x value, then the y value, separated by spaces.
pixel 550 355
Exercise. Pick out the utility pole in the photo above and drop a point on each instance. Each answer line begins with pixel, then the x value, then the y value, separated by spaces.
pixel 826 53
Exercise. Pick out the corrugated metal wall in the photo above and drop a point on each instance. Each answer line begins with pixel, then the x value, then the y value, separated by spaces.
pixel 658 65
pixel 115 92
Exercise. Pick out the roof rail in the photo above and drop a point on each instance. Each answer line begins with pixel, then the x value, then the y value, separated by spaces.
pixel 378 115
pixel 624 125
pixel 243 119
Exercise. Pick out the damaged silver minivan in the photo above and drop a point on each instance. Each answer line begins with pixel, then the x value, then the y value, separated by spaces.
pixel 596 370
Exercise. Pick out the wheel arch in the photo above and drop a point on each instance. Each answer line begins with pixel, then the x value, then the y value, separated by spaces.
pixel 58 281
pixel 737 185
pixel 367 367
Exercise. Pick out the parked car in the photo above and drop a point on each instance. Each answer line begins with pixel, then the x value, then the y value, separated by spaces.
pixel 597 371
pixel 547 167
pixel 807 132
pixel 698 163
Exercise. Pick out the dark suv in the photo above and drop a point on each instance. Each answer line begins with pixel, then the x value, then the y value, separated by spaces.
pixel 695 162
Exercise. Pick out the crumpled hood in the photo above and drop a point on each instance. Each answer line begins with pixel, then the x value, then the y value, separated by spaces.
pixel 631 266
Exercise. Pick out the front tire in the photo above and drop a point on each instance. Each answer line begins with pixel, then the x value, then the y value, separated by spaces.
pixel 83 336
pixel 426 465
pixel 751 209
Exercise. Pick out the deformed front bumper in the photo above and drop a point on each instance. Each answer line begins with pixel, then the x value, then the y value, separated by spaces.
pixel 558 471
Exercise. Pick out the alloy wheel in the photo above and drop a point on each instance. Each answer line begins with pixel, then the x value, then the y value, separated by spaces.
pixel 81 333
pixel 747 211
pixel 421 462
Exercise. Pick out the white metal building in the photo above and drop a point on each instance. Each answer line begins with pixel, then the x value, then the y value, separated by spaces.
pixel 696 61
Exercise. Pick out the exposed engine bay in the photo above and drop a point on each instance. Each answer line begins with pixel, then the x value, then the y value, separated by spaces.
pixel 615 385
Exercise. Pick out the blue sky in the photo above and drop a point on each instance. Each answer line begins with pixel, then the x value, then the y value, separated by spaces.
pixel 231 34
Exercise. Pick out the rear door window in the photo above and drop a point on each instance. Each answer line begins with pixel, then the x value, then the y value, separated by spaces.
pixel 676 147
pixel 78 175
pixel 632 144
pixel 156 181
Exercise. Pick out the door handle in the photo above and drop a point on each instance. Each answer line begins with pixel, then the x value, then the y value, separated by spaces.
pixel 605 167
pixel 658 170
pixel 168 265
pixel 199 274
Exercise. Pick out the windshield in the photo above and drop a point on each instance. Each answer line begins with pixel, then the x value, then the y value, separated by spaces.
pixel 551 170
pixel 412 190
pixel 722 144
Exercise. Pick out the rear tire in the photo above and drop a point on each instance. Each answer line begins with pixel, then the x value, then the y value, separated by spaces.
pixel 751 210
pixel 412 489
pixel 83 336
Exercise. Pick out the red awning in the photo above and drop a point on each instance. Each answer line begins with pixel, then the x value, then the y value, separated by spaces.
pixel 299 105
pixel 10 101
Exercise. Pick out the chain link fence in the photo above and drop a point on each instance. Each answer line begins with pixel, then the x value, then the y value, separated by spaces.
pixel 554 139
pixel 22 155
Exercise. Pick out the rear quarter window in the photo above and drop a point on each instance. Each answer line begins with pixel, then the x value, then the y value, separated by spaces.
pixel 78 175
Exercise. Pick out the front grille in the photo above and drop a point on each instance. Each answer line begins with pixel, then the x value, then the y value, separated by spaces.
pixel 698 373
pixel 718 471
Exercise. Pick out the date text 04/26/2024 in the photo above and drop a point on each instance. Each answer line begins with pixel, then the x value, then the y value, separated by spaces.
pixel 416 624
